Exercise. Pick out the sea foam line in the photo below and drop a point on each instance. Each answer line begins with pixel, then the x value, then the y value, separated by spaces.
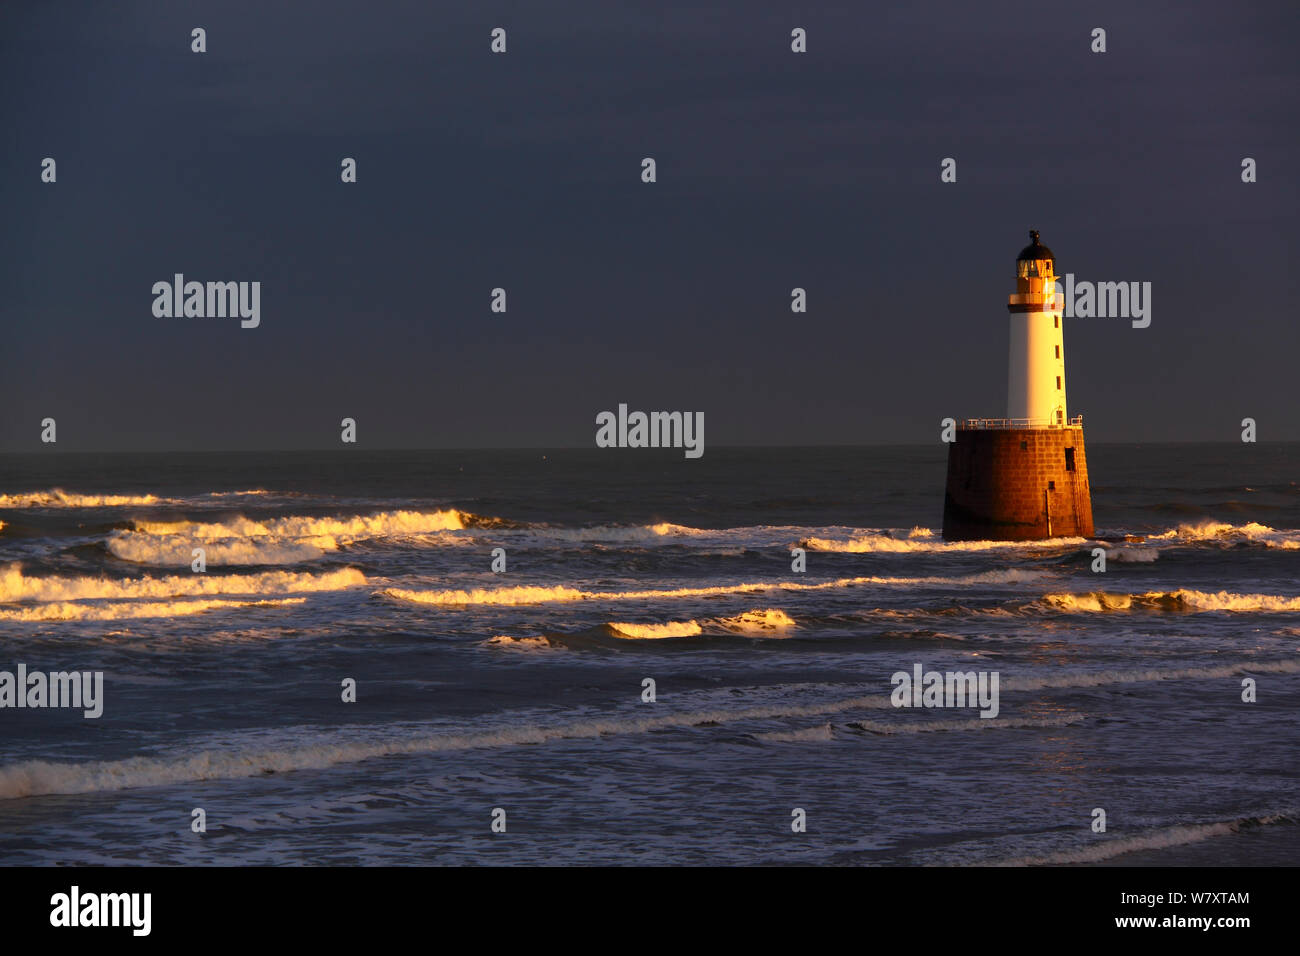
pixel 288 540
pixel 1182 599
pixel 563 594
pixel 69 611
pixel 39 777
pixel 58 498
pixel 1110 847
pixel 15 586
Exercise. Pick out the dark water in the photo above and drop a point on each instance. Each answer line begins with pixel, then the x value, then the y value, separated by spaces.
pixel 522 690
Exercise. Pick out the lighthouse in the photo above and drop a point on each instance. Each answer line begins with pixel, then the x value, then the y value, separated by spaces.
pixel 1023 477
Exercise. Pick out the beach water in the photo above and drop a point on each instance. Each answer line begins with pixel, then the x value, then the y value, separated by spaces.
pixel 523 690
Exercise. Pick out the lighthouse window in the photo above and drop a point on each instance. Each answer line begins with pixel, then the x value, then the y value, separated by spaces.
pixel 1058 381
pixel 1056 321
pixel 1058 351
pixel 1069 459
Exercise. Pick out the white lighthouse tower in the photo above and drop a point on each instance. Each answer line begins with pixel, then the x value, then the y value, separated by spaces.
pixel 1036 369
pixel 1023 477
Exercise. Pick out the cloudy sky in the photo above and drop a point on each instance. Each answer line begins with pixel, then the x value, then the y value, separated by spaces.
pixel 522 171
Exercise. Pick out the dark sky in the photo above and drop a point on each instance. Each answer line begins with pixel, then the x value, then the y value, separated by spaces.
pixel 775 170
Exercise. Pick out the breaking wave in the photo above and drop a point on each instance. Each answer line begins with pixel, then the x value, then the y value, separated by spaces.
pixel 67 611
pixel 382 524
pixel 505 640
pixel 37 777
pixel 1139 555
pixel 172 552
pixel 921 539
pixel 15 586
pixel 562 594
pixel 58 498
pixel 1183 600
pixel 817 734
pixel 1108 677
pixel 1218 531
pixel 275 541
pixel 762 621
pixel 1162 839
pixel 657 631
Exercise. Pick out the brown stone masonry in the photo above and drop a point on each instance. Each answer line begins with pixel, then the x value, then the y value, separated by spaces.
pixel 1017 484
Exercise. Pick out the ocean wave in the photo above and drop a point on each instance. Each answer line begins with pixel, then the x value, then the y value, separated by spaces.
pixel 1147 675
pixel 58 498
pixel 1183 600
pixel 1222 532
pixel 1129 554
pixel 169 552
pixel 68 611
pixel 527 643
pixel 38 777
pixel 657 631
pixel 765 622
pixel 1107 848
pixel 564 594
pixel 759 621
pixel 932 725
pixel 381 524
pixel 666 529
pixel 817 734
pixel 287 540
pixel 15 586
pixel 921 540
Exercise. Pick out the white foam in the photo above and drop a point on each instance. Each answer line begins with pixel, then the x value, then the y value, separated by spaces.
pixel 288 540
pixel 353 527
pixel 758 621
pixel 1108 848
pixel 1182 599
pixel 565 594
pixel 525 643
pixel 66 611
pixel 1141 676
pixel 818 734
pixel 922 540
pixel 58 498
pixel 657 631
pixel 929 726
pixel 36 777
pixel 1220 531
pixel 15 586
pixel 173 551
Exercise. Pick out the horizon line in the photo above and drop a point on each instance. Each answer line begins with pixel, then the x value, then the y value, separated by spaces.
pixel 562 448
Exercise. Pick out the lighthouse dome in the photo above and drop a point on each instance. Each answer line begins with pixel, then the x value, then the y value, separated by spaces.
pixel 1035 250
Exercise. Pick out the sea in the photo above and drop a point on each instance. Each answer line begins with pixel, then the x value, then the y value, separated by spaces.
pixel 627 657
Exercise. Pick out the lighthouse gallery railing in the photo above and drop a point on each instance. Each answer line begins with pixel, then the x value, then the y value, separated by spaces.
pixel 978 423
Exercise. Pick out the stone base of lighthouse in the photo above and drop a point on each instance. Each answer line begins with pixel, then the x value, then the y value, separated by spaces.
pixel 1017 484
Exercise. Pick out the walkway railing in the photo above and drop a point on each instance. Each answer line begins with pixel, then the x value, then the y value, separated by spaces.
pixel 969 423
